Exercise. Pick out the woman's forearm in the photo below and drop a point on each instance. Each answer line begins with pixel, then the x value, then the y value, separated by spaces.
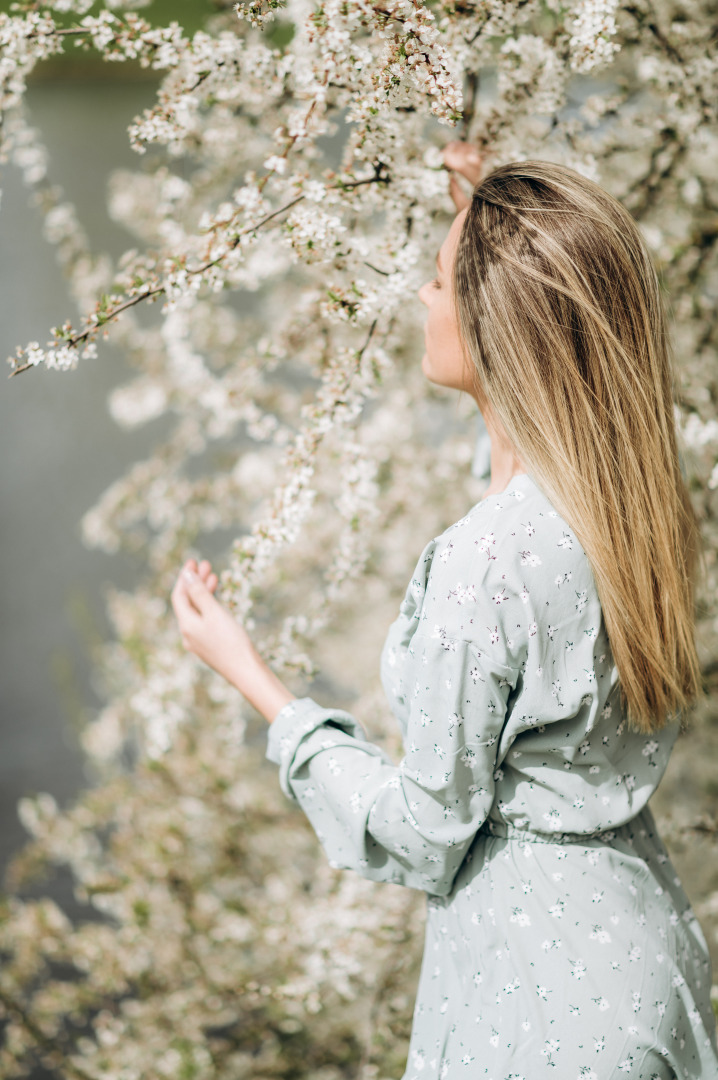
pixel 256 681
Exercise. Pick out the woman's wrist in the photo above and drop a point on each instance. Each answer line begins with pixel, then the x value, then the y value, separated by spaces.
pixel 256 681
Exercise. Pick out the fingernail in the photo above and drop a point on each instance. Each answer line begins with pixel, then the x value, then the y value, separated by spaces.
pixel 474 157
pixel 190 575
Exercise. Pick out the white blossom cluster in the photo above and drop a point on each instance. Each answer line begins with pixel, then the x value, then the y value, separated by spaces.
pixel 307 431
pixel 592 42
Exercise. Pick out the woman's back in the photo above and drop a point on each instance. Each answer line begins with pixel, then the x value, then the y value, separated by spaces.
pixel 511 583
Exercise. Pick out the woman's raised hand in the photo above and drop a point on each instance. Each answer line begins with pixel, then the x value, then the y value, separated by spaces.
pixel 207 628
pixel 212 633
pixel 465 159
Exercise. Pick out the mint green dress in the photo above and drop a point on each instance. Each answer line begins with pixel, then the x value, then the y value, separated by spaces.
pixel 559 941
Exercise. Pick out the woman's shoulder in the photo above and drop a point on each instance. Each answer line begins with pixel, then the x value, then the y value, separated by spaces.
pixel 518 528
pixel 511 561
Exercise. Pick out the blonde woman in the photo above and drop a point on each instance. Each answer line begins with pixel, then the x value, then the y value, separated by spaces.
pixel 538 667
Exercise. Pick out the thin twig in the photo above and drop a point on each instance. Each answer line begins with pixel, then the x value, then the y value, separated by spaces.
pixel 47 1046
pixel 114 313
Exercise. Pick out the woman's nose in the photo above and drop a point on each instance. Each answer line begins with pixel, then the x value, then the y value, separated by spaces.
pixel 422 294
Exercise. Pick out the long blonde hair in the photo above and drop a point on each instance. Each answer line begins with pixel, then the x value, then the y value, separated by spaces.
pixel 560 312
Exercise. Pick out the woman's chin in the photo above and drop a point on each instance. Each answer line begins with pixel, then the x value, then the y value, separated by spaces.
pixel 430 371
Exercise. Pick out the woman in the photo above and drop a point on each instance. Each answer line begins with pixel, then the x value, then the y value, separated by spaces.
pixel 557 930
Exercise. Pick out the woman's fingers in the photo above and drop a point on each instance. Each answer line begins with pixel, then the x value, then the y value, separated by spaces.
pixel 207 575
pixel 189 597
pixel 463 158
pixel 179 591
pixel 460 199
pixel 204 572
pixel 197 593
pixel 183 607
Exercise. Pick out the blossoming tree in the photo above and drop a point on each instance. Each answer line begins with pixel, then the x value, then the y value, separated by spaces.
pixel 216 930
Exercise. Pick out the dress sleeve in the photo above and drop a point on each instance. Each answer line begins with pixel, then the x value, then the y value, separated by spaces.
pixel 410 823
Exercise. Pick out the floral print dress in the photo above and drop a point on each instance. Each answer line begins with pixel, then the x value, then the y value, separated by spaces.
pixel 559 941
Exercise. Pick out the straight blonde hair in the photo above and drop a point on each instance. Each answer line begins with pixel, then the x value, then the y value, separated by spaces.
pixel 560 312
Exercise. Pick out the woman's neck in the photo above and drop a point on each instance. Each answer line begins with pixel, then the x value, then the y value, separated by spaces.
pixel 505 463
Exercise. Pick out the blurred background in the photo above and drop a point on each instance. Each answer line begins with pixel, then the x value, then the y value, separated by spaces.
pixel 60 446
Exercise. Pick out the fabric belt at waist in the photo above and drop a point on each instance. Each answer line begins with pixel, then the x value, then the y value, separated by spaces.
pixel 513 832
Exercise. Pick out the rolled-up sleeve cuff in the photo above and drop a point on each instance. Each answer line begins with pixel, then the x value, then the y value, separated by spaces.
pixel 293 723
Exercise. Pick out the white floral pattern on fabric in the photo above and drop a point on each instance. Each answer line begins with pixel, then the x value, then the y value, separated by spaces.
pixel 557 929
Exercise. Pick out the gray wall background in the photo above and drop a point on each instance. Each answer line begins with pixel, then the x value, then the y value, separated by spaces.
pixel 59 449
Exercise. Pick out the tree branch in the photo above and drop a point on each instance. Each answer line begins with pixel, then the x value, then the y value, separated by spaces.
pixel 114 313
